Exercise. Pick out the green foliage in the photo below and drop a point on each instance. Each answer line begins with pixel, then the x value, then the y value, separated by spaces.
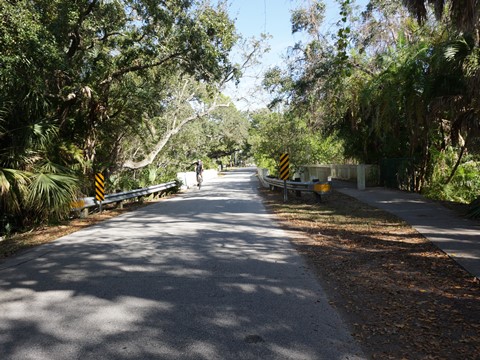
pixel 274 133
pixel 226 132
pixel 465 184
pixel 123 181
pixel 214 138
pixel 13 187
pixel 308 19
pixel 135 179
pixel 50 195
pixel 33 197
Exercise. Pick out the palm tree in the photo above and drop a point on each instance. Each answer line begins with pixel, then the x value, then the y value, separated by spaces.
pixel 464 14
pixel 463 53
pixel 33 188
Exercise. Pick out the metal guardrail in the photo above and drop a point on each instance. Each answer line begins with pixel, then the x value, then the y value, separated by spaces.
pixel 319 188
pixel 89 202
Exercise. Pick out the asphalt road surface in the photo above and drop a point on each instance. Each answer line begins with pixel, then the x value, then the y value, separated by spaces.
pixel 204 275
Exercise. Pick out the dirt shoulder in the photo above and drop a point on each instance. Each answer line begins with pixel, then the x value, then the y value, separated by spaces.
pixel 401 295
pixel 45 234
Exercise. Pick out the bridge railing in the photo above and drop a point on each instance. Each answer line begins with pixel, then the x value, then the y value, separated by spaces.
pixel 318 188
pixel 82 205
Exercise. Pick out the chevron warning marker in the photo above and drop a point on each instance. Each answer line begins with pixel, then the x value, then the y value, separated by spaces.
pixel 284 167
pixel 99 187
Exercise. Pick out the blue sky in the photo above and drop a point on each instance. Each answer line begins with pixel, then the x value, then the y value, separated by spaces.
pixel 273 17
pixel 253 17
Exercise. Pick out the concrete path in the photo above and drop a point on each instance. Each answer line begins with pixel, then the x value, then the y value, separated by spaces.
pixel 456 236
pixel 204 275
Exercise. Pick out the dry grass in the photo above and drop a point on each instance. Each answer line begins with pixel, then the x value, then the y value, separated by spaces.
pixel 403 297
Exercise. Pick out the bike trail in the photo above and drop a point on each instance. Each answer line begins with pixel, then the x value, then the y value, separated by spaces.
pixel 207 274
pixel 458 237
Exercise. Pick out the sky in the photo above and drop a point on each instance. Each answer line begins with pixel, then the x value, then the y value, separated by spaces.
pixel 254 17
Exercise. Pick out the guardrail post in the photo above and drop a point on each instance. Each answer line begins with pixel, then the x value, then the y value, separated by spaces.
pixel 298 193
pixel 81 205
pixel 83 213
pixel 318 196
pixel 119 204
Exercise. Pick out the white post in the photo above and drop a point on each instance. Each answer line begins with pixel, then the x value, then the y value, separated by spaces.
pixel 361 177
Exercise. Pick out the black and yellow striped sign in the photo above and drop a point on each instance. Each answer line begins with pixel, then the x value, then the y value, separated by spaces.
pixel 284 167
pixel 99 187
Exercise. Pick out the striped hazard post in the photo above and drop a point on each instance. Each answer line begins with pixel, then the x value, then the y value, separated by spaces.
pixel 284 167
pixel 284 174
pixel 99 188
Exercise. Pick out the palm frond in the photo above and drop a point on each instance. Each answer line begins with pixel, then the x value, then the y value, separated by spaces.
pixel 50 194
pixel 43 133
pixel 417 8
pixel 471 64
pixel 47 166
pixel 13 187
pixel 3 113
pixel 464 14
pixel 456 51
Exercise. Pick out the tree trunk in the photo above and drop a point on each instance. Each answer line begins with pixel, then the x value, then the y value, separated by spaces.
pixel 462 151
pixel 150 157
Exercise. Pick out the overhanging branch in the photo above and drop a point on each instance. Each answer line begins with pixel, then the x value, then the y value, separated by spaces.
pixel 150 157
pixel 119 73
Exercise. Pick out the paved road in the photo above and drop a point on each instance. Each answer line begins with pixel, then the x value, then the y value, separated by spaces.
pixel 456 236
pixel 205 275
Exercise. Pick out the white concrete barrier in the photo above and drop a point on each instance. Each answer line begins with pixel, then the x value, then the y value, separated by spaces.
pixel 189 178
pixel 369 173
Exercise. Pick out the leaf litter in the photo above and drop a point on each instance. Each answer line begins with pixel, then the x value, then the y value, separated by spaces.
pixel 402 297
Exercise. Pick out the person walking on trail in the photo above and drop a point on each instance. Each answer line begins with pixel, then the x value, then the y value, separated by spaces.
pixel 199 172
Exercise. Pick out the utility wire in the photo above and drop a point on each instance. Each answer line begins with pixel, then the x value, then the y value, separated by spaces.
pixel 265 16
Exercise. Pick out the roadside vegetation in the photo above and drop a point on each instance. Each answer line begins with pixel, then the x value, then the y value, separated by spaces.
pixel 394 84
